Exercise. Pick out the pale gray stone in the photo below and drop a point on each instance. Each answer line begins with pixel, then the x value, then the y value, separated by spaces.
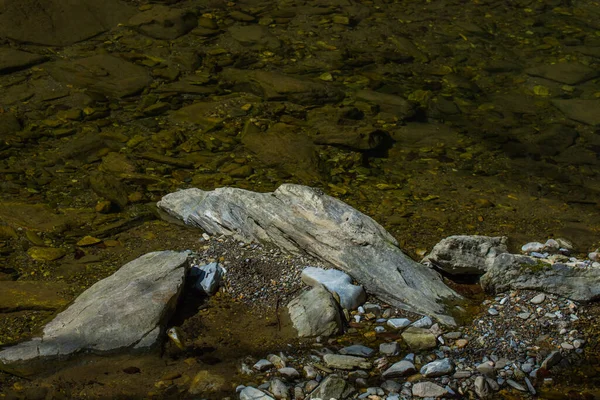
pixel 263 365
pixel 279 389
pixel 351 296
pixel 512 272
pixel 389 349
pixel 357 350
pixel 419 338
pixel 208 277
pixel 315 313
pixel 482 388
pixel 345 362
pixel 398 323
pixel 289 372
pixel 438 368
pixel 428 389
pixel 462 254
pixel 250 393
pixel 399 369
pixel 301 219
pixel 127 310
pixel 538 299
pixel 516 385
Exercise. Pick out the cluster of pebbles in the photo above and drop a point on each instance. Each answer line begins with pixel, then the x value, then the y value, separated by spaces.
pixel 516 342
pixel 559 251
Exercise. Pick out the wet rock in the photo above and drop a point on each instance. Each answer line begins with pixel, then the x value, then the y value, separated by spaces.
pixel 351 296
pixel 35 217
pixel 15 60
pixel 551 360
pixel 585 111
pixel 345 362
pixel 399 369
pixel 162 22
pixel 333 387
pixel 109 187
pixel 437 368
pixel 127 310
pixel 207 278
pixel 516 385
pixel 424 322
pixel 569 73
pixel 458 255
pixel 293 218
pixel 512 271
pixel 281 146
pixel 207 382
pixel 46 253
pixel 255 37
pixel 387 102
pixel 428 389
pixel 24 295
pixel 315 313
pixel 419 338
pixel 9 123
pixel 275 86
pixel 289 373
pixel 263 365
pixel 105 74
pixel 59 22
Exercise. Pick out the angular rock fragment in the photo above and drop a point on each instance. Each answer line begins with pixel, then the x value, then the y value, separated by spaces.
pixel 162 22
pixel 125 311
pixel 301 219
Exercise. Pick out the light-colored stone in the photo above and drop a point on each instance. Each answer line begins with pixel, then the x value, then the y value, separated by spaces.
pixel 517 272
pixel 351 296
pixel 332 387
pixel 398 323
pixel 345 362
pixel 207 277
pixel 436 368
pixel 302 219
pixel 538 299
pixel 357 350
pixel 474 255
pixel 428 389
pixel 399 369
pixel 127 310
pixel 315 313
pixel 250 393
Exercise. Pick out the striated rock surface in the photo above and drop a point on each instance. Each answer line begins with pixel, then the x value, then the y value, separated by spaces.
pixel 302 219
pixel 512 271
pixel 127 310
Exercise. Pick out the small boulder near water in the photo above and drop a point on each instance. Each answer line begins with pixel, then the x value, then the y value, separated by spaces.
pixel 460 255
pixel 315 313
pixel 125 311
pixel 207 278
pixel 512 271
pixel 301 219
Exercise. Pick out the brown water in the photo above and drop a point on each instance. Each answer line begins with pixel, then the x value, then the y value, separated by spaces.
pixel 434 118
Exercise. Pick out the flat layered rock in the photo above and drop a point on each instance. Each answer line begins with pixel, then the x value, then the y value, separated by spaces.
pixel 125 311
pixel 585 111
pixel 28 295
pixel 300 219
pixel 103 73
pixel 59 22
pixel 512 271
pixel 162 22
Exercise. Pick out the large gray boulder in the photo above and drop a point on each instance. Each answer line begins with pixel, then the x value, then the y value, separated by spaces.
pixel 473 255
pixel 513 271
pixel 315 313
pixel 302 219
pixel 127 310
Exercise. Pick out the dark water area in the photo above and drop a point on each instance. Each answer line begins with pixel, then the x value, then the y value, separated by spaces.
pixel 432 117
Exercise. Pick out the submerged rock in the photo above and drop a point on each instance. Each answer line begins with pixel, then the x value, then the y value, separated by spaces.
pixel 125 311
pixel 302 219
pixel 511 271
